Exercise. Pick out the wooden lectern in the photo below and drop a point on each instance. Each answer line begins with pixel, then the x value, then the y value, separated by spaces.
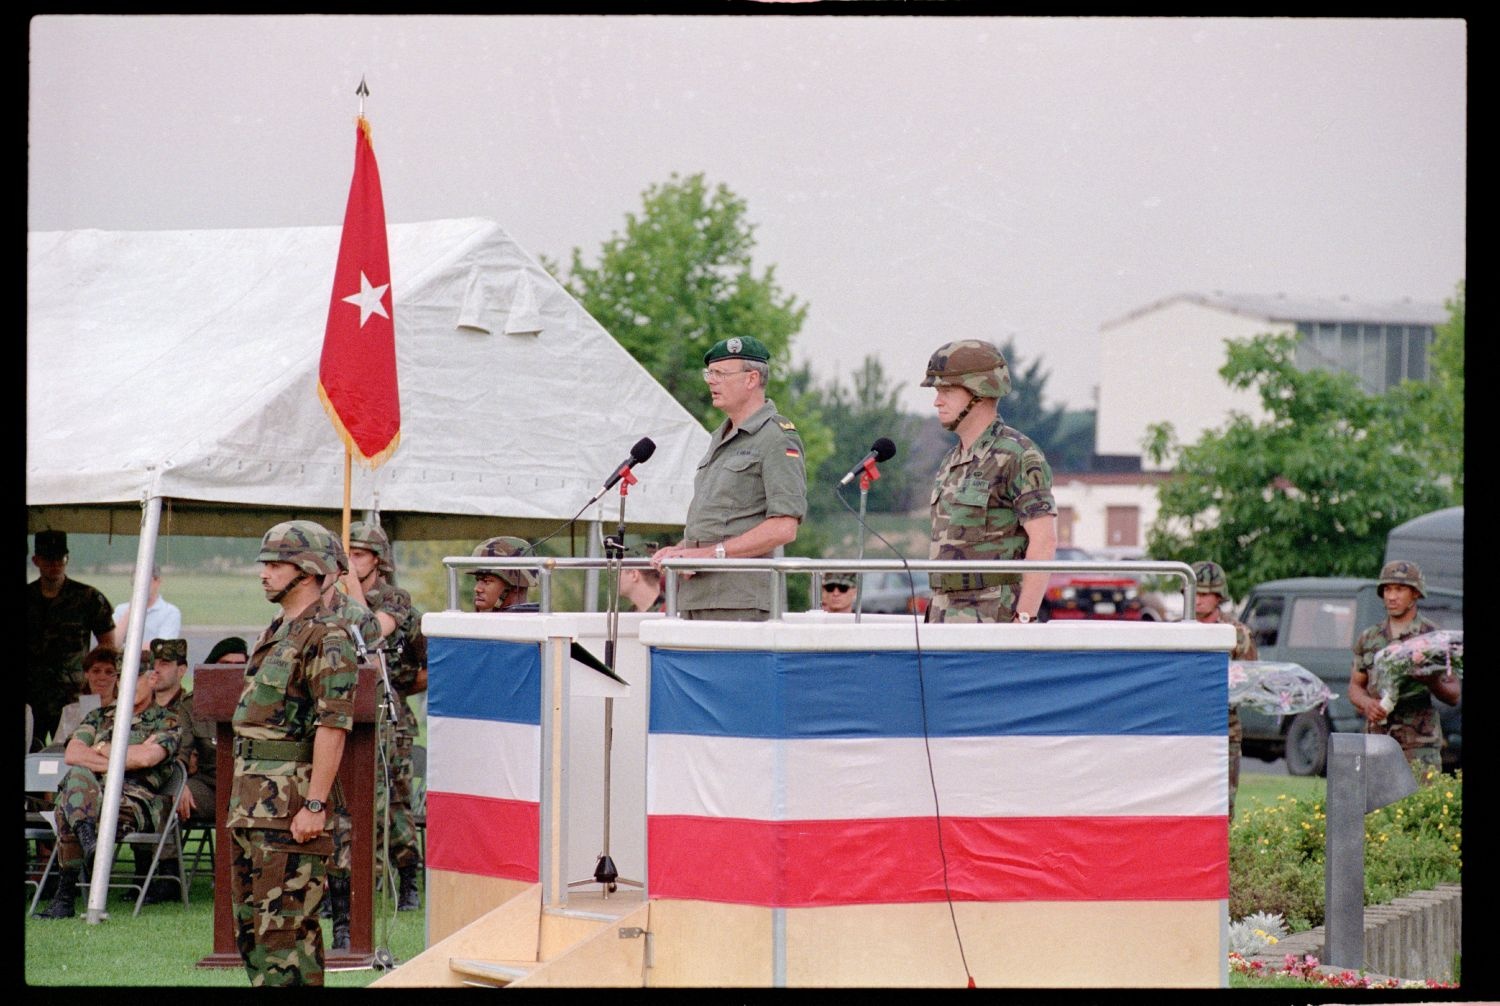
pixel 216 692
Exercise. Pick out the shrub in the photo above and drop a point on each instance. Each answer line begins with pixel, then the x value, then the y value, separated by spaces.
pixel 1276 852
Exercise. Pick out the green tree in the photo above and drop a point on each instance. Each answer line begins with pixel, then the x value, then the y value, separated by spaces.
pixel 1312 490
pixel 1436 406
pixel 679 279
pixel 863 412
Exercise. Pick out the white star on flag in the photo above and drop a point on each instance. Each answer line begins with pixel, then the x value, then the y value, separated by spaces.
pixel 368 299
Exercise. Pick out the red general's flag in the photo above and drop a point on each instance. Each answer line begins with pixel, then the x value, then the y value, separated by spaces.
pixel 357 375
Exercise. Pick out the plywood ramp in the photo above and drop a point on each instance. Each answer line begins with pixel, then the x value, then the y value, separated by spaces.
pixel 456 899
pixel 507 933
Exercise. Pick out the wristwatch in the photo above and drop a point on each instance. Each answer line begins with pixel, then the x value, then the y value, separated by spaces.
pixel 1022 617
pixel 316 806
pixel 719 550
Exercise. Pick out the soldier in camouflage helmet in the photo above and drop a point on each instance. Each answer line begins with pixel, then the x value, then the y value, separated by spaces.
pixel 750 493
pixel 502 588
pixel 838 592
pixel 1408 715
pixel 155 734
pixel 61 615
pixel 404 651
pixel 290 725
pixel 992 498
pixel 1211 592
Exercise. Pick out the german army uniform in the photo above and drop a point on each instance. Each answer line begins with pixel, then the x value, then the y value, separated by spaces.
pixel 980 499
pixel 80 795
pixel 748 474
pixel 57 637
pixel 1414 720
pixel 301 676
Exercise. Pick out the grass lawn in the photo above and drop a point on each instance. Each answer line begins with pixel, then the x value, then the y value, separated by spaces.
pixel 205 598
pixel 1259 789
pixel 163 944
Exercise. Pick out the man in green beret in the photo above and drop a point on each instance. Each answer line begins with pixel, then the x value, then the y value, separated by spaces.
pixel 750 492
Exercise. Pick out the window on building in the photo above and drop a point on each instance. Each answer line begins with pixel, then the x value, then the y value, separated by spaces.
pixel 1066 517
pixel 1380 356
pixel 1122 525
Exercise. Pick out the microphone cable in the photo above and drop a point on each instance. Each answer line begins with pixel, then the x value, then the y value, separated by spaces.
pixel 926 740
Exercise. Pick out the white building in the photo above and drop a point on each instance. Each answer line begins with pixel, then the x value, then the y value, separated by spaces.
pixel 1161 363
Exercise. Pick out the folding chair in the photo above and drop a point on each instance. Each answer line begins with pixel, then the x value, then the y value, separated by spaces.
pixel 158 839
pixel 43 772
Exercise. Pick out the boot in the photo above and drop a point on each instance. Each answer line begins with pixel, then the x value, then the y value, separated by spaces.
pixel 88 838
pixel 338 895
pixel 164 885
pixel 409 900
pixel 62 902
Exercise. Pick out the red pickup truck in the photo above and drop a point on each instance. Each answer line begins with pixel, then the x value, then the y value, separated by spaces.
pixel 1091 595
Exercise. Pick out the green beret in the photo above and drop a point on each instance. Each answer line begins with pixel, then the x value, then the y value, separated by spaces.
pixel 739 348
pixel 174 650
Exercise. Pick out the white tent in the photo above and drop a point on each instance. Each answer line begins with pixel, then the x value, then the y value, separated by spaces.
pixel 184 365
pixel 180 368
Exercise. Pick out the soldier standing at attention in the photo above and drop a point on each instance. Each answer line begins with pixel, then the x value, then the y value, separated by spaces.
pixel 61 615
pixel 293 717
pixel 750 492
pixel 1412 720
pixel 371 561
pixel 1211 593
pixel 992 498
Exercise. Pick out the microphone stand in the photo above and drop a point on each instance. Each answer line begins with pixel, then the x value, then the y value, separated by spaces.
pixel 605 873
pixel 868 475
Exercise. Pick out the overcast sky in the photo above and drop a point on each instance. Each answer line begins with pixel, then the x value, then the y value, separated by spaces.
pixel 913 180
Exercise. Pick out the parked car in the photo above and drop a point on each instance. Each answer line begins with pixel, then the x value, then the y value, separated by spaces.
pixel 1091 595
pixel 895 592
pixel 1313 621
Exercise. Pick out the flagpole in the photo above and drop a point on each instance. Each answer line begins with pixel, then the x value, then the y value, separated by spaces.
pixel 348 478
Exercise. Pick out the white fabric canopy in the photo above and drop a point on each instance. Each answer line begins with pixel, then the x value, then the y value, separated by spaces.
pixel 184 364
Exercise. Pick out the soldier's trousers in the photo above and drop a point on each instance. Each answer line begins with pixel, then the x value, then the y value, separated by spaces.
pixel 404 850
pixel 992 604
pixel 80 798
pixel 1236 744
pixel 276 886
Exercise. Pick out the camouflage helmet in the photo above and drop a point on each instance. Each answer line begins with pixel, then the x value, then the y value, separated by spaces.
pixel 969 363
pixel 303 543
pixel 504 545
pixel 339 556
pixel 1402 572
pixel 372 538
pixel 1211 578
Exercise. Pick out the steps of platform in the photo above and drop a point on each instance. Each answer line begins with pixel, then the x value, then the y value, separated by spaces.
pixel 491 974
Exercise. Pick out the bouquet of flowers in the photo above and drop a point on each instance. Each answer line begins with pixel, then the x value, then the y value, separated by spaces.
pixel 1275 687
pixel 1415 658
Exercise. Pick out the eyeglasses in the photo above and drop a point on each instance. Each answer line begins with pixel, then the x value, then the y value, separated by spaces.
pixel 719 375
pixel 836 586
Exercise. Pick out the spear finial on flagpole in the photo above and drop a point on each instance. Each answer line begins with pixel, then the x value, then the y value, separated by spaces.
pixel 363 91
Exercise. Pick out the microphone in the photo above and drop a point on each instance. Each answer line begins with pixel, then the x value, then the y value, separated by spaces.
pixel 880 450
pixel 639 454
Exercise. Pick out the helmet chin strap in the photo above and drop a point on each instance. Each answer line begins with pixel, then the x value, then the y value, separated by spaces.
pixel 284 591
pixel 950 427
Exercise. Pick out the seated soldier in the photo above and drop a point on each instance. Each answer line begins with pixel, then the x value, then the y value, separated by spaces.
pixel 154 739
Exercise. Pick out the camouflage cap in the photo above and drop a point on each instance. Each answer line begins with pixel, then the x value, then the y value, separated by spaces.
pixel 1211 578
pixel 504 545
pixel 745 347
pixel 174 650
pixel 969 363
pixel 1400 571
pixel 305 544
pixel 842 578
pixel 51 545
pixel 372 537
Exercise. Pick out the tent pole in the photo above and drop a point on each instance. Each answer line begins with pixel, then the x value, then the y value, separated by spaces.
pixel 114 779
